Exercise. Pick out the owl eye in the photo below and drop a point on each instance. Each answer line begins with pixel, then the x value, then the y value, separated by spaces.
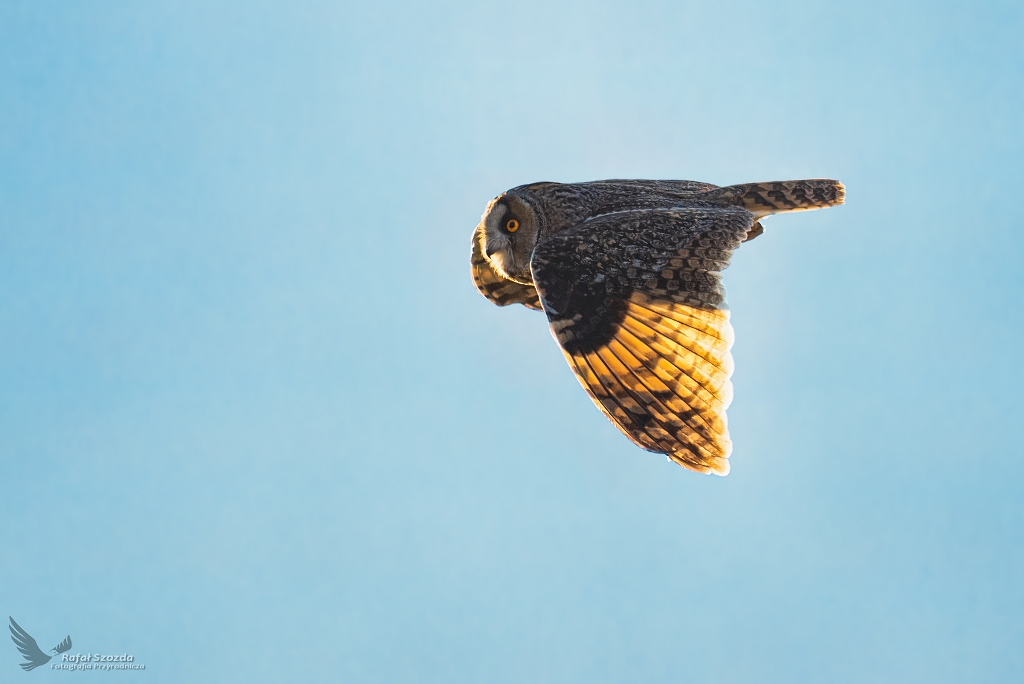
pixel 512 225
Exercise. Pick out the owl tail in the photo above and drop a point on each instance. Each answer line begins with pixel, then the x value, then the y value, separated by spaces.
pixel 762 199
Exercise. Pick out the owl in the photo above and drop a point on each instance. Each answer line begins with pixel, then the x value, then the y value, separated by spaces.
pixel 628 273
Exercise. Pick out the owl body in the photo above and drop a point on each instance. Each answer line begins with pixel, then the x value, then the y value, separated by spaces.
pixel 628 273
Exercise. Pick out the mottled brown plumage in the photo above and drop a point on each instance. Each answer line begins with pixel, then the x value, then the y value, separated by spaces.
pixel 499 290
pixel 629 275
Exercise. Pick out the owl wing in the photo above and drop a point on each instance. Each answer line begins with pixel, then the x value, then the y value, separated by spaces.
pixel 636 303
pixel 495 287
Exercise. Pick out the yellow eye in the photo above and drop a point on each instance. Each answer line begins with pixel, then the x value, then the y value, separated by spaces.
pixel 512 225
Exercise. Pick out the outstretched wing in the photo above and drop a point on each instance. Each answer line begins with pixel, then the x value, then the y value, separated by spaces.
pixel 28 647
pixel 636 303
pixel 64 646
pixel 496 288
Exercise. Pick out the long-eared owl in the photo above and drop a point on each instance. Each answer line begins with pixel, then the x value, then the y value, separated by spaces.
pixel 629 275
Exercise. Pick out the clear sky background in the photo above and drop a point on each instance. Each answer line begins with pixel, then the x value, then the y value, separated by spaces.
pixel 256 424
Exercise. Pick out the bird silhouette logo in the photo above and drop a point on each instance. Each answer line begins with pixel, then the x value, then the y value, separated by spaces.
pixel 30 649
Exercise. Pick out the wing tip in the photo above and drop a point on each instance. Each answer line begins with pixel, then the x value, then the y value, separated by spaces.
pixel 708 466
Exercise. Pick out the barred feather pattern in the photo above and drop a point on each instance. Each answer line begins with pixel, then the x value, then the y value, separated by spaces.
pixel 494 287
pixel 763 199
pixel 663 380
pixel 636 303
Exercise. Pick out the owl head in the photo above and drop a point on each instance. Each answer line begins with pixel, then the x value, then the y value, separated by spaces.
pixel 509 230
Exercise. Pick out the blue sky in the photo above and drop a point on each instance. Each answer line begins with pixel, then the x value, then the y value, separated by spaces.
pixel 255 423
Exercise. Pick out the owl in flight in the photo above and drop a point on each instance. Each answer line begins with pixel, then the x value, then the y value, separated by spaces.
pixel 629 275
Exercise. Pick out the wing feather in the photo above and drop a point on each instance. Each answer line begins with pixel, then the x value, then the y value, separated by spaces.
pixel 680 413
pixel 707 368
pixel 643 325
pixel 710 347
pixel 664 397
pixel 625 407
pixel 497 289
pixel 675 417
pixel 662 361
